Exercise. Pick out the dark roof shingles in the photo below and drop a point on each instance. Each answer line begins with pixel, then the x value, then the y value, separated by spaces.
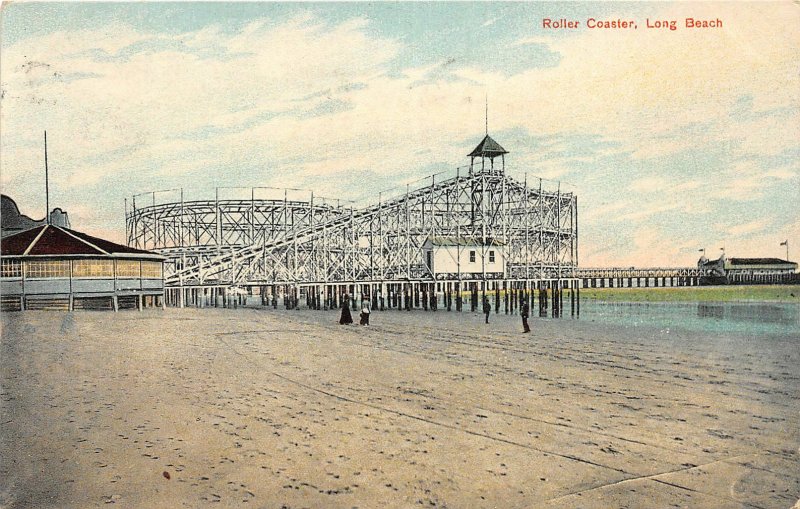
pixel 15 245
pixel 488 147
pixel 62 241
pixel 57 242
pixel 757 261
pixel 110 247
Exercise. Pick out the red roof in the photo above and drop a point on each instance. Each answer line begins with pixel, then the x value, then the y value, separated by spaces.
pixel 54 240
pixel 18 243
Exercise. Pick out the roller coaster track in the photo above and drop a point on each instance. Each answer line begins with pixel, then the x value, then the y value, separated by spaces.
pixel 255 242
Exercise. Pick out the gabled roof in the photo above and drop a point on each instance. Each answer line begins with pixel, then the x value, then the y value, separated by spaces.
pixel 49 240
pixel 488 148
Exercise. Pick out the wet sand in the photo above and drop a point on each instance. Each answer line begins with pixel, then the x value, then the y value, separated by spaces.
pixel 263 408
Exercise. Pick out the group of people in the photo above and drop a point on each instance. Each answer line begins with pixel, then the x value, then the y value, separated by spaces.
pixel 346 318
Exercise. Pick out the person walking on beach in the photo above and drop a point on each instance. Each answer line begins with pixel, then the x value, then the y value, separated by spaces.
pixel 346 317
pixel 487 308
pixel 524 314
pixel 364 312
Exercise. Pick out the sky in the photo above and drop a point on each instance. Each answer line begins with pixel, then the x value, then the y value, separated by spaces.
pixel 673 140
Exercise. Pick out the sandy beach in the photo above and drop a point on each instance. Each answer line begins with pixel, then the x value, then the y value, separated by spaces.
pixel 271 409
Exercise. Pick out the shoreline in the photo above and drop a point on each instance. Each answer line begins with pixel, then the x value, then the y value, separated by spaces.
pixel 734 301
pixel 785 294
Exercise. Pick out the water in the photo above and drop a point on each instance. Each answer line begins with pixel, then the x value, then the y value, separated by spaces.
pixel 748 318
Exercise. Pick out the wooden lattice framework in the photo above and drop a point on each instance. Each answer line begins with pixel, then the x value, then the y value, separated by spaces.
pixel 256 241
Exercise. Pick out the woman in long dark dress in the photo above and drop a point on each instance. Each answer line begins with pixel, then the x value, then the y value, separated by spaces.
pixel 346 317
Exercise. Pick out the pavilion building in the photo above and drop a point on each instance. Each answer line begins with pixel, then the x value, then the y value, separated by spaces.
pixel 52 267
pixel 748 270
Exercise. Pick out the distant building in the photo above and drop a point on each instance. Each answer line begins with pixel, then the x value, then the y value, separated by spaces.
pixel 12 221
pixel 448 256
pixel 748 270
pixel 51 267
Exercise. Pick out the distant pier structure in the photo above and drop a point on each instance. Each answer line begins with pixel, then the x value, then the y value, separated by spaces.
pixel 734 271
pixel 478 232
pixel 723 271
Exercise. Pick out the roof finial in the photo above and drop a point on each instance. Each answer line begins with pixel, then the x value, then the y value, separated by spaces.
pixel 46 184
pixel 487 114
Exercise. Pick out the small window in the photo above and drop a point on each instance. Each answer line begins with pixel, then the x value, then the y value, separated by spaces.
pixel 472 256
pixel 93 268
pixel 128 268
pixel 12 268
pixel 491 256
pixel 151 270
pixel 47 268
pixel 430 259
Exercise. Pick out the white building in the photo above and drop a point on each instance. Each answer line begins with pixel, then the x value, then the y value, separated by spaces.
pixel 463 256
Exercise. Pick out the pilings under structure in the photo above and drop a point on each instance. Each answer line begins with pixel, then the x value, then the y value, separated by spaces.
pixel 556 298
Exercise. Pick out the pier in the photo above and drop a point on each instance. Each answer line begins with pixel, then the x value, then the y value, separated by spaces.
pixel 632 277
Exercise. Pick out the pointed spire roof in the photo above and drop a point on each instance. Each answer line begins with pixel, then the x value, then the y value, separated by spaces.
pixel 488 148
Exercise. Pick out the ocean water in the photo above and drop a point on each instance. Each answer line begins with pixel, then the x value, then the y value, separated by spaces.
pixel 741 317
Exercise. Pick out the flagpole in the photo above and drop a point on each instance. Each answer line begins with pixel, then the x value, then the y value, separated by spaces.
pixel 46 183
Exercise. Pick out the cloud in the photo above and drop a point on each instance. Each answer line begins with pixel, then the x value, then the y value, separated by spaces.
pixel 138 112
pixel 531 40
pixel 743 229
pixel 491 21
